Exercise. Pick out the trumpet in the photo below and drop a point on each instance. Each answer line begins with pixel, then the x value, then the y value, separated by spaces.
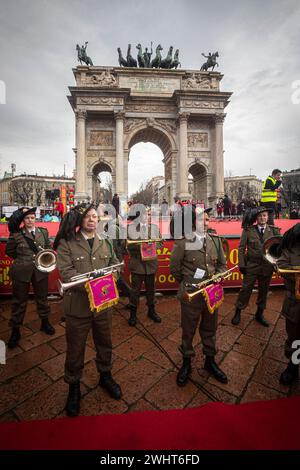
pixel 45 260
pixel 83 278
pixel 201 285
pixel 132 242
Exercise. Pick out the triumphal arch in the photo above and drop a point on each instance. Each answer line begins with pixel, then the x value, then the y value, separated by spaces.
pixel 181 111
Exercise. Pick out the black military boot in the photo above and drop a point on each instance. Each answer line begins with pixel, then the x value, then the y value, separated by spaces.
pixel 46 327
pixel 237 317
pixel 184 372
pixel 132 318
pixel 211 366
pixel 259 317
pixel 107 382
pixel 73 402
pixel 153 315
pixel 289 374
pixel 14 338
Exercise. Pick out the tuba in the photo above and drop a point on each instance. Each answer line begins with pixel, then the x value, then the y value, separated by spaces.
pixel 271 249
pixel 45 260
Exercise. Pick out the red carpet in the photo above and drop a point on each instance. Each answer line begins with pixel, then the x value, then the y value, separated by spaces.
pixel 262 425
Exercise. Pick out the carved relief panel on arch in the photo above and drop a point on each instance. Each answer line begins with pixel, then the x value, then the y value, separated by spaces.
pixel 198 139
pixel 102 139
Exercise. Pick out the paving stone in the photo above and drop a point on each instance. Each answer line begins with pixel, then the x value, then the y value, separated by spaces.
pixel 161 330
pixel 268 372
pixel 25 332
pixel 172 396
pixel 97 402
pixel 54 367
pixel 250 346
pixel 133 348
pixel 46 404
pixel 59 344
pixel 21 388
pixel 40 338
pixel 245 320
pixel 199 400
pixel 238 368
pixel 219 394
pixel 137 378
pixel 226 337
pixel 259 331
pixel 276 352
pixel 257 392
pixel 142 405
pixel 27 360
pixel 156 356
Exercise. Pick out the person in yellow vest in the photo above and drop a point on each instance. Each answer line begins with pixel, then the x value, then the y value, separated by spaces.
pixel 269 193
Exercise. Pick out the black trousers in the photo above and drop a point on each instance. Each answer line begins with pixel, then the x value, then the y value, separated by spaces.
pixel 136 285
pixel 20 297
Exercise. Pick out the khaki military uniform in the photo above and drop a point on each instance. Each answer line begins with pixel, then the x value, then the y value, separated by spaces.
pixel 183 266
pixel 258 268
pixel 23 272
pixel 291 305
pixel 143 271
pixel 77 257
pixel 116 233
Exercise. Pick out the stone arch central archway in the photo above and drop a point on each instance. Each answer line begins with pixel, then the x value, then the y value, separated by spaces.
pixel 151 132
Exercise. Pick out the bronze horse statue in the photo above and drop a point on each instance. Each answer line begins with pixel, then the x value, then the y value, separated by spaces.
pixel 140 57
pixel 211 61
pixel 130 60
pixel 166 63
pixel 175 61
pixel 122 61
pixel 157 59
pixel 82 56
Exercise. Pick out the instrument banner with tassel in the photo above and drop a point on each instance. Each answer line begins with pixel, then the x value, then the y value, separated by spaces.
pixel 102 292
pixel 148 251
pixel 214 296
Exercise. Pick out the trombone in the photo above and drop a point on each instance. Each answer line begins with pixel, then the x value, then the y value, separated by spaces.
pixel 83 278
pixel 201 285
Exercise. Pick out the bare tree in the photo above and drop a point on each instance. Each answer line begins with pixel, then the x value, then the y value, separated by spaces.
pixel 21 191
pixel 39 188
pixel 144 195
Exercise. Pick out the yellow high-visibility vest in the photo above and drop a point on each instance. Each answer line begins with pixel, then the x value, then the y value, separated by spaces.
pixel 267 195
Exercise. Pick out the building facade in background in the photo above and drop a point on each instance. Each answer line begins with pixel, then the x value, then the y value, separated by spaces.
pixel 243 187
pixel 35 190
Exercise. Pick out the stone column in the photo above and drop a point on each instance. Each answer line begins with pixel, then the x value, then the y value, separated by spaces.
pixel 183 190
pixel 81 170
pixel 218 156
pixel 119 116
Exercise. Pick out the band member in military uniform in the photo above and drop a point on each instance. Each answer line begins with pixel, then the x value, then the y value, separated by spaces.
pixel 23 245
pixel 116 232
pixel 142 270
pixel 193 264
pixel 253 265
pixel 81 250
pixel 290 259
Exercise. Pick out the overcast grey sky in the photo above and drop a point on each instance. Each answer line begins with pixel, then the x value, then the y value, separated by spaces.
pixel 258 44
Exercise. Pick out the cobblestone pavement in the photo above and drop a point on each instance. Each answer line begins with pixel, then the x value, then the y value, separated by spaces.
pixel 32 385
